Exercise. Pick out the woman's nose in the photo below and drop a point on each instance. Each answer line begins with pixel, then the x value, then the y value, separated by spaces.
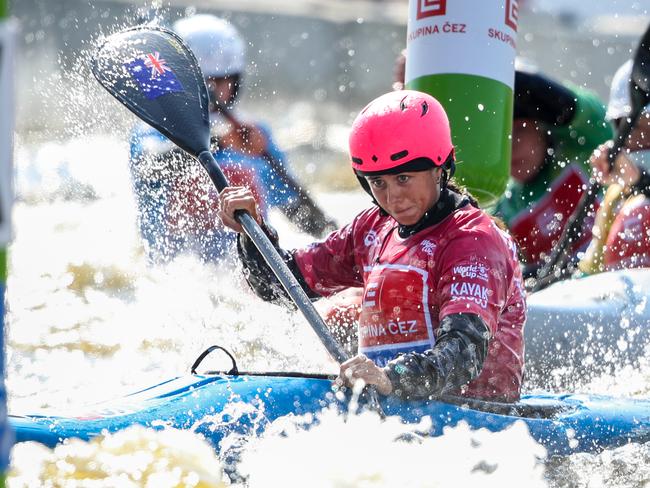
pixel 394 192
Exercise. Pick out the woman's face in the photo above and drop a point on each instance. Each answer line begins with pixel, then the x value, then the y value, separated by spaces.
pixel 639 138
pixel 407 196
pixel 528 149
pixel 221 91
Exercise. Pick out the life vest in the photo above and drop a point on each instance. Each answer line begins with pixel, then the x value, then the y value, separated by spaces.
pixel 538 228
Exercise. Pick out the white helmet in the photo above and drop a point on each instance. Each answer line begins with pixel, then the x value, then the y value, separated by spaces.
pixel 620 104
pixel 215 42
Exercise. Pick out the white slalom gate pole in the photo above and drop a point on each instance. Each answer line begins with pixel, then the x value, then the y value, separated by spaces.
pixel 462 52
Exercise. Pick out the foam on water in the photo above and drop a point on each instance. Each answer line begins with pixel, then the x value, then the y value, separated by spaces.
pixel 364 451
pixel 89 320
pixel 134 457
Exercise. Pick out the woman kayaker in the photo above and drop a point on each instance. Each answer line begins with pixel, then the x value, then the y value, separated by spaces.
pixel 443 304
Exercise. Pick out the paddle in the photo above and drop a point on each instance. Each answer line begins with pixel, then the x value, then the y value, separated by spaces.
pixel 553 270
pixel 155 75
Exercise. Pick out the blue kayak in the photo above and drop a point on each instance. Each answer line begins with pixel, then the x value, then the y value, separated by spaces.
pixel 216 405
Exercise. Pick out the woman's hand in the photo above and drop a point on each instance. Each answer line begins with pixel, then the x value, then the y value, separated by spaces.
pixel 234 198
pixel 624 172
pixel 362 368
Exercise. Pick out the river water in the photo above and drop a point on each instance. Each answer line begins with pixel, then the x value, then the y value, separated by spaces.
pixel 90 320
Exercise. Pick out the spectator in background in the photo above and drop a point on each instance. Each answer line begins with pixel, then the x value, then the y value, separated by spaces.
pixel 555 128
pixel 174 195
pixel 621 234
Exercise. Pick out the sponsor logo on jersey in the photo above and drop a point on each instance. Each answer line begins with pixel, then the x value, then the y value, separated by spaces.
pixel 370 239
pixel 428 247
pixel 471 292
pixel 474 270
pixel 392 328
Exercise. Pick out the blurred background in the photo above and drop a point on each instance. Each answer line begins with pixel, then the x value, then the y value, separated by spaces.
pixel 311 63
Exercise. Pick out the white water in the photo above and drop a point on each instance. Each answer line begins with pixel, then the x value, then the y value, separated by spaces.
pixel 88 320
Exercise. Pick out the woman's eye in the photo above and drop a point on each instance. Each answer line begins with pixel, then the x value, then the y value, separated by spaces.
pixel 377 183
pixel 402 178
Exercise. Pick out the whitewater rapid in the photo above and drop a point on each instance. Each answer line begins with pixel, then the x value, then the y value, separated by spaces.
pixel 89 320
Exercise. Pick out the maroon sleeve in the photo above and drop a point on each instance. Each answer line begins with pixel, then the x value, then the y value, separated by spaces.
pixel 331 266
pixel 473 276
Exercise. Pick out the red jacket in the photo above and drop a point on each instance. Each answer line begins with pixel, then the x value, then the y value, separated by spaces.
pixel 463 264
pixel 628 241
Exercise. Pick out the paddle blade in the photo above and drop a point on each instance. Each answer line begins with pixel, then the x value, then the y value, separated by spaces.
pixel 155 75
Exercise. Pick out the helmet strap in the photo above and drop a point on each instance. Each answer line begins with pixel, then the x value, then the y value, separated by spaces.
pixel 448 170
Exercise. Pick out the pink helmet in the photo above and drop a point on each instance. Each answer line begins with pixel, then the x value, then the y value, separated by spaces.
pixel 402 130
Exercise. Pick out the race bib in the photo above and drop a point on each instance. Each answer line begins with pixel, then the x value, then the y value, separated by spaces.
pixel 395 316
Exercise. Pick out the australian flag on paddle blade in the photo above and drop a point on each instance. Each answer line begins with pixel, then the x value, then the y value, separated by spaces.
pixel 153 75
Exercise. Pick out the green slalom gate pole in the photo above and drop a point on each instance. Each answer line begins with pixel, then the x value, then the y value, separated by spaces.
pixel 462 52
pixel 7 38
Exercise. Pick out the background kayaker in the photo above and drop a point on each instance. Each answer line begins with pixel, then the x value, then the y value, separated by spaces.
pixel 621 233
pixel 173 192
pixel 443 304
pixel 555 129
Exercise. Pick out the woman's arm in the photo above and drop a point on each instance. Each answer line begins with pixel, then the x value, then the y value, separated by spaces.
pixel 259 275
pixel 455 360
pixel 470 307
pixel 322 269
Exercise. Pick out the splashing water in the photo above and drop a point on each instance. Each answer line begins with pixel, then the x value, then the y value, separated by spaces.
pixel 90 320
pixel 133 457
pixel 363 451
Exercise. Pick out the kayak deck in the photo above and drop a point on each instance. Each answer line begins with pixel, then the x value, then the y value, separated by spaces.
pixel 216 405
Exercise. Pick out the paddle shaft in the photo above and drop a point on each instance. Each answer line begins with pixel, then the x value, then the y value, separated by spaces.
pixel 176 104
pixel 284 275
pixel 275 262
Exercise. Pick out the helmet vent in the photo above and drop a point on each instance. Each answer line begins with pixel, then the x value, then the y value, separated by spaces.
pixel 402 105
pixel 399 155
pixel 357 160
pixel 374 158
pixel 425 108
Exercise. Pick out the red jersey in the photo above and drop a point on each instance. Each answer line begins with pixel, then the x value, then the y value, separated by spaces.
pixel 463 264
pixel 538 227
pixel 628 241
